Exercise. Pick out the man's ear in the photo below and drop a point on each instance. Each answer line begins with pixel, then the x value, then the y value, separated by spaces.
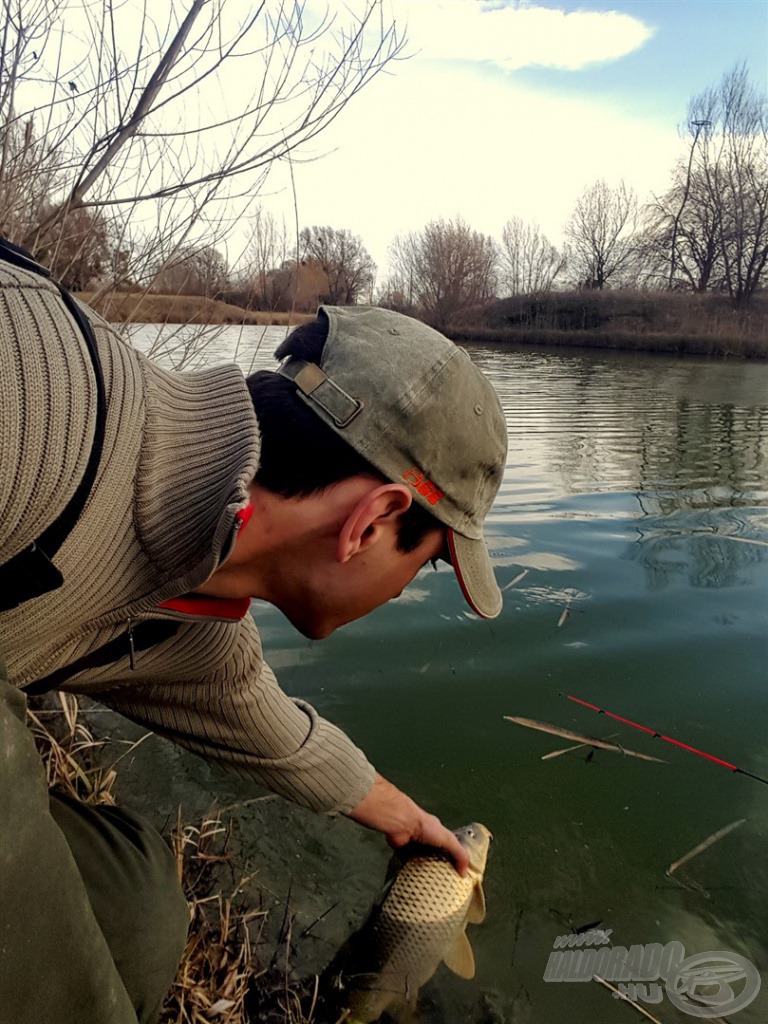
pixel 374 513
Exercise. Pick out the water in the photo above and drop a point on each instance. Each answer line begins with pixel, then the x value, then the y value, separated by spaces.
pixel 635 497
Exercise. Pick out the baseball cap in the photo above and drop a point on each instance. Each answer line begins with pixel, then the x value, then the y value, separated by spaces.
pixel 415 406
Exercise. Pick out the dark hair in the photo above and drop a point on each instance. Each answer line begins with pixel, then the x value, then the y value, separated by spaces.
pixel 300 455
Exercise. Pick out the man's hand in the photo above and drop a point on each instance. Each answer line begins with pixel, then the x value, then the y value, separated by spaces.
pixel 386 809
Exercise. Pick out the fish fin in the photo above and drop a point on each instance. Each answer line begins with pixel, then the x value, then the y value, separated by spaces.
pixel 476 912
pixel 460 958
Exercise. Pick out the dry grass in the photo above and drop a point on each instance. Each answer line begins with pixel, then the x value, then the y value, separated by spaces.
pixel 229 973
pixel 141 307
pixel 215 973
pixel 69 751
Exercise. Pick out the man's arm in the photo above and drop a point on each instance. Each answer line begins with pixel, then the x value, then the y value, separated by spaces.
pixel 209 690
pixel 402 821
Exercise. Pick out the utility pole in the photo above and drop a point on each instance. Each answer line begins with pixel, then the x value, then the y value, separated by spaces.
pixel 698 125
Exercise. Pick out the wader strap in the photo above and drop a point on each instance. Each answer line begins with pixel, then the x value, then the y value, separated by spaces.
pixel 31 573
pixel 145 634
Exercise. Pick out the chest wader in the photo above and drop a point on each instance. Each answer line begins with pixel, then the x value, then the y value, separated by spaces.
pixel 92 918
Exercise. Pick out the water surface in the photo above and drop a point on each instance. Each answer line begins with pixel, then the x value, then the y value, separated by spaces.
pixel 634 498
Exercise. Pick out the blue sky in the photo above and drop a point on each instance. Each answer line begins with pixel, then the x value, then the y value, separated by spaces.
pixel 694 41
pixel 513 108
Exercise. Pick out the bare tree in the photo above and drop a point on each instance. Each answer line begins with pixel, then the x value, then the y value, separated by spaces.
pixel 528 261
pixel 709 231
pixel 193 271
pixel 393 294
pixel 686 222
pixel 268 250
pixel 135 110
pixel 732 163
pixel 343 257
pixel 446 267
pixel 600 234
pixel 78 248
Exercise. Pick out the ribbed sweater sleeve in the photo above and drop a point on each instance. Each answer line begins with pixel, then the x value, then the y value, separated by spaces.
pixel 209 690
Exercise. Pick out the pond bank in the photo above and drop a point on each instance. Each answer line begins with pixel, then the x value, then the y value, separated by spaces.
pixel 148 307
pixel 671 344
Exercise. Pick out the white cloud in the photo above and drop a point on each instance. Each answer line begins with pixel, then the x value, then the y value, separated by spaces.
pixel 518 35
pixel 435 141
pixel 436 136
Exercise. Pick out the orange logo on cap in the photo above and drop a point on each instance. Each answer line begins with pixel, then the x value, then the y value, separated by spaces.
pixel 425 487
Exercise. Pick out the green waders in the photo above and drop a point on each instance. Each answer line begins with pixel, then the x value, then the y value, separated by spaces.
pixel 93 922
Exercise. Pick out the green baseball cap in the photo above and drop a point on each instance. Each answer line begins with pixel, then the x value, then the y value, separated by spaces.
pixel 417 408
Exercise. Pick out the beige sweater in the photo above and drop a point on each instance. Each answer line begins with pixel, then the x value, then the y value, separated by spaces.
pixel 180 451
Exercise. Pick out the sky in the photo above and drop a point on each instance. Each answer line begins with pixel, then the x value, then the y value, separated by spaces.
pixel 510 109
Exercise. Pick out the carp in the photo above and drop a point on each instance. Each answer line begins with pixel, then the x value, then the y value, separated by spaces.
pixel 419 921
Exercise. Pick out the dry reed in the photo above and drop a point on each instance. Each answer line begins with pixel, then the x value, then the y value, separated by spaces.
pixel 221 979
pixel 580 738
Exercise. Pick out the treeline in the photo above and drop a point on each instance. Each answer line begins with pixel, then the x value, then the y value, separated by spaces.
pixel 707 233
pixel 120 167
pixel 103 193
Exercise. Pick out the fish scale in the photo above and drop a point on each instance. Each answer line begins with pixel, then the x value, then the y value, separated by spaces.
pixel 418 923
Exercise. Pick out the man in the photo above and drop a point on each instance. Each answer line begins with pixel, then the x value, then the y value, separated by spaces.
pixel 322 488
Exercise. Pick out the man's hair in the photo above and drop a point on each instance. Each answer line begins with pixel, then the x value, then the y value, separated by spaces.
pixel 300 454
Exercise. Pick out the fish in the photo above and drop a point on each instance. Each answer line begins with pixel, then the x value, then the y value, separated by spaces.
pixel 419 922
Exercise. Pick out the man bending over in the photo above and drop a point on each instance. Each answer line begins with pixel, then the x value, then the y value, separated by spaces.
pixel 322 487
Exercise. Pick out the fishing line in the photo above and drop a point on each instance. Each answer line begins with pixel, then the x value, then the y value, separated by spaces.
pixel 667 739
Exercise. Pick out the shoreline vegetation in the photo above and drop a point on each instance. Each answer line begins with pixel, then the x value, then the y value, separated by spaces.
pixel 151 308
pixel 671 344
pixel 675 324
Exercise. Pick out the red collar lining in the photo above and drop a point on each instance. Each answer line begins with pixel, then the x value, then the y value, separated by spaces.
pixel 215 607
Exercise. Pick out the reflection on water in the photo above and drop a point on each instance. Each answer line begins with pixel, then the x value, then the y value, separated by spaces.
pixel 634 498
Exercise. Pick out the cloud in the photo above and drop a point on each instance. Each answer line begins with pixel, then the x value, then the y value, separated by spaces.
pixel 437 141
pixel 518 35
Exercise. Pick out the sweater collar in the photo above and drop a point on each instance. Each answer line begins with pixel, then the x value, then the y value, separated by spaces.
pixel 199 456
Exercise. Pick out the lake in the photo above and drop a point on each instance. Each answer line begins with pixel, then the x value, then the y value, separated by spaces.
pixel 634 502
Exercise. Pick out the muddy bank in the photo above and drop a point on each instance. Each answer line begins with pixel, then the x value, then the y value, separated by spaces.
pixel 316 876
pixel 323 869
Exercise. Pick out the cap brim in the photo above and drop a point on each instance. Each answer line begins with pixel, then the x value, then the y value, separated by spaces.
pixel 474 572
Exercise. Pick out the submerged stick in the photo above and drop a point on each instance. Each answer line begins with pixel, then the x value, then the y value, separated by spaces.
pixel 563 750
pixel 741 540
pixel 515 580
pixel 563 617
pixel 579 738
pixel 705 845
pixel 566 750
pixel 625 999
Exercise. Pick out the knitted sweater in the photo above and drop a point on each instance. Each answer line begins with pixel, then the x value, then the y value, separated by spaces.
pixel 180 451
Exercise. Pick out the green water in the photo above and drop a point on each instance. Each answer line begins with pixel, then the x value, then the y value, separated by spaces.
pixel 635 497
pixel 633 485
